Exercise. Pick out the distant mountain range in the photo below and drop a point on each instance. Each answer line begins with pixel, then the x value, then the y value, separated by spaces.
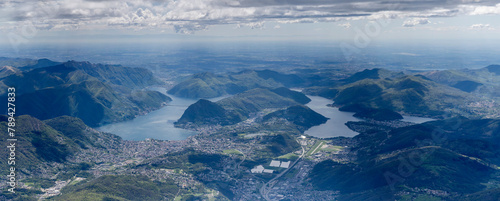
pixel 209 85
pixel 483 81
pixel 96 93
pixel 409 94
pixel 24 64
pixel 432 94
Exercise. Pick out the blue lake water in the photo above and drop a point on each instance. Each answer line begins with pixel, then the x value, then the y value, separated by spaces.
pixel 335 126
pixel 159 124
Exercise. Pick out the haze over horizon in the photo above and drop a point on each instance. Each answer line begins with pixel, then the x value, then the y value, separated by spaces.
pixel 106 21
pixel 446 34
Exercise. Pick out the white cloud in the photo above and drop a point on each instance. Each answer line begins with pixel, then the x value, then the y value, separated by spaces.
pixel 415 21
pixel 481 26
pixel 486 10
pixel 406 54
pixel 253 25
pixel 346 25
pixel 186 16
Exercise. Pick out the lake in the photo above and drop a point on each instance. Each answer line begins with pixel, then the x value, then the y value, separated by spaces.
pixel 158 124
pixel 335 126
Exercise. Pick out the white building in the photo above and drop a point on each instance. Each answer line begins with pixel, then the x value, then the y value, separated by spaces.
pixel 257 169
pixel 285 164
pixel 268 171
pixel 275 163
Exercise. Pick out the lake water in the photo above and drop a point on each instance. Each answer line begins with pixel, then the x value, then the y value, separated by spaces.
pixel 335 126
pixel 158 124
pixel 417 120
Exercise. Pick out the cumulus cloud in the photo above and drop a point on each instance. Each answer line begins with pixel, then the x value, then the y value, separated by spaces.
pixel 188 16
pixel 484 10
pixel 415 21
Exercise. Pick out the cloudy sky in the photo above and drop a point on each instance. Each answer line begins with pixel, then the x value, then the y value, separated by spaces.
pixel 95 20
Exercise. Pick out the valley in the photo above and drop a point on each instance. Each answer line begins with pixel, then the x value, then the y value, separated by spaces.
pixel 344 137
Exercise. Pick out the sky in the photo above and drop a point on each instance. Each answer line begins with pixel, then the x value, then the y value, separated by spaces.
pixel 357 21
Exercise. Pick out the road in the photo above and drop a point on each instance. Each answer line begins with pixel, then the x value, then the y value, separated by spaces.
pixel 244 157
pixel 264 190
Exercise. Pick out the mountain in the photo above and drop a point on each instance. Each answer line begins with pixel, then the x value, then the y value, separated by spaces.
pixel 361 111
pixel 475 138
pixel 299 115
pixel 494 69
pixel 486 195
pixel 74 72
pixel 206 112
pixel 236 108
pixel 40 63
pixel 209 85
pixel 467 85
pixel 255 100
pixel 43 78
pixel 378 114
pixel 278 145
pixel 288 80
pixel 376 73
pixel 8 70
pixel 455 78
pixel 84 136
pixel 52 140
pixel 426 156
pixel 325 92
pixel 17 62
pixel 198 163
pixel 94 102
pixel 205 85
pixel 429 93
pixel 483 81
pixel 120 187
pixel 294 95
pixel 371 180
pixel 132 78
pixel 95 93
pixel 408 94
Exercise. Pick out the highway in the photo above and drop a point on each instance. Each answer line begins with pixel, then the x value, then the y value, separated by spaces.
pixel 264 190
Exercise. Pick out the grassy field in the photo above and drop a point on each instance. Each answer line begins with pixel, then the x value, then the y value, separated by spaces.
pixel 289 156
pixel 208 194
pixel 331 148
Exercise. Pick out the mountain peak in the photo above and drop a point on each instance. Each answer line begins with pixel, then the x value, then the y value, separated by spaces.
pixel 204 75
pixel 206 112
